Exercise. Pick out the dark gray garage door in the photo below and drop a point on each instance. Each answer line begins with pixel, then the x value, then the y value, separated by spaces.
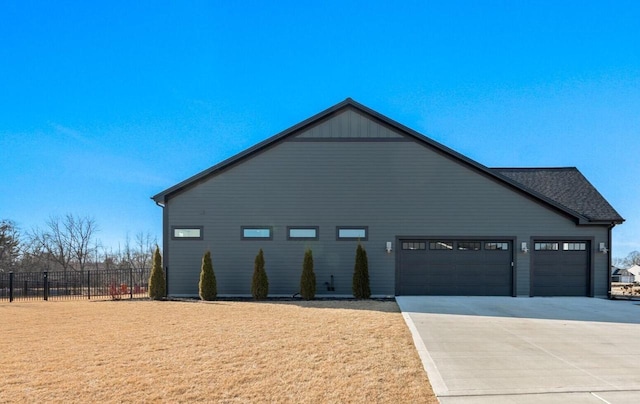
pixel 560 268
pixel 455 267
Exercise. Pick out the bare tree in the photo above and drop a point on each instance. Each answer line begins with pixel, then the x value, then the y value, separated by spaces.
pixel 632 259
pixel 145 245
pixel 138 255
pixel 65 241
pixel 9 245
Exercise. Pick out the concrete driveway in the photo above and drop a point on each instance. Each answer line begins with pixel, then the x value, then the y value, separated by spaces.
pixel 527 350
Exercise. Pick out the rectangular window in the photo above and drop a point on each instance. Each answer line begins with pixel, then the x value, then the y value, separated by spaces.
pixel 574 246
pixel 256 233
pixel 545 246
pixel 469 245
pixel 440 245
pixel 302 233
pixel 496 246
pixel 352 233
pixel 192 232
pixel 412 245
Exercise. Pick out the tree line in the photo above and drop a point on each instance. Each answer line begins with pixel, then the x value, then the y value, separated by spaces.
pixel 632 259
pixel 69 243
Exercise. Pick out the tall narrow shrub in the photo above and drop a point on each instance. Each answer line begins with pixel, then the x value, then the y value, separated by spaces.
pixel 308 278
pixel 260 282
pixel 361 289
pixel 157 284
pixel 207 287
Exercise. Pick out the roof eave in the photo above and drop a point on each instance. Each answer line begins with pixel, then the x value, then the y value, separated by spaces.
pixel 601 222
pixel 163 196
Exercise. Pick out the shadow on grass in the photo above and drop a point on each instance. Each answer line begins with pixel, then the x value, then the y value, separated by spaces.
pixel 385 305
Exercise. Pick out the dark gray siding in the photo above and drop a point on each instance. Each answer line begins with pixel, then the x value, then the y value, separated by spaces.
pixel 349 124
pixel 394 188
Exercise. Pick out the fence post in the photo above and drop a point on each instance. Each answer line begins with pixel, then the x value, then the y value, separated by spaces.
pixel 89 284
pixel 46 285
pixel 10 286
pixel 130 283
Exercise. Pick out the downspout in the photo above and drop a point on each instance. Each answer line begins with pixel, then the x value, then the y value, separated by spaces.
pixel 164 247
pixel 609 259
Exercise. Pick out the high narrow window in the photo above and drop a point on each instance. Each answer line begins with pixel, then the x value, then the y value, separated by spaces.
pixel 352 233
pixel 256 233
pixel 185 233
pixel 302 233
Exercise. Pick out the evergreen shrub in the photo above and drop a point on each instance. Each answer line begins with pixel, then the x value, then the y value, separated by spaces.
pixel 260 282
pixel 157 283
pixel 361 289
pixel 207 287
pixel 308 278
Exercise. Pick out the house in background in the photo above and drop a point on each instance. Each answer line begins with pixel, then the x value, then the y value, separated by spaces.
pixel 621 275
pixel 635 272
pixel 433 221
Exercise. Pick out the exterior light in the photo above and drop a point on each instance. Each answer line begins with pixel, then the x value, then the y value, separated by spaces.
pixel 603 248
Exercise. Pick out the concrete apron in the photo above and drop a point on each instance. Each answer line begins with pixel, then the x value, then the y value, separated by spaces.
pixel 527 350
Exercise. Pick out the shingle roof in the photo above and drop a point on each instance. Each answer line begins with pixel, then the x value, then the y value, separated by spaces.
pixel 567 187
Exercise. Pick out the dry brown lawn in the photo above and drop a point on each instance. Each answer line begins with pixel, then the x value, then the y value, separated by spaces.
pixel 625 289
pixel 227 352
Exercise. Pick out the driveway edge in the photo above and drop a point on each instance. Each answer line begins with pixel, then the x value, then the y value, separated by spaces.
pixel 437 383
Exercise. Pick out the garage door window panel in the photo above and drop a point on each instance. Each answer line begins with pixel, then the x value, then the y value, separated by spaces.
pixel 469 246
pixel 546 246
pixel 441 245
pixel 414 246
pixel 496 246
pixel 574 246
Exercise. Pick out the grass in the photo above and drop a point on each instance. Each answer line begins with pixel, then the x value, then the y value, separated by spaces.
pixel 227 352
pixel 625 290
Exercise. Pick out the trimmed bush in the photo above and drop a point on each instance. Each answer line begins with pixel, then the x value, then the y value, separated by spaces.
pixel 308 278
pixel 157 283
pixel 208 288
pixel 260 282
pixel 361 289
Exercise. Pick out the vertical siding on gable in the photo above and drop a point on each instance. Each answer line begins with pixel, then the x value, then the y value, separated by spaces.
pixel 394 188
pixel 349 124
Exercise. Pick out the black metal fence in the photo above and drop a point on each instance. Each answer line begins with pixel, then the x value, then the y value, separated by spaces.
pixel 115 284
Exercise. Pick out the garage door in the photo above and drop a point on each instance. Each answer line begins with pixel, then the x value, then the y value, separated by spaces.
pixel 560 268
pixel 454 267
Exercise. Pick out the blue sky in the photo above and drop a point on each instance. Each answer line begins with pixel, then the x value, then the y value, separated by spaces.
pixel 104 104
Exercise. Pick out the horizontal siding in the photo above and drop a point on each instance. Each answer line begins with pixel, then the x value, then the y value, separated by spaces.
pixel 396 189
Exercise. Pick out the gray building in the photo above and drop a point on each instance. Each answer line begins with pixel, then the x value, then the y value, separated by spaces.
pixel 433 221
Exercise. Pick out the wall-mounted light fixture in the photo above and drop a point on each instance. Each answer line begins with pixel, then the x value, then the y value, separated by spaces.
pixel 524 248
pixel 603 248
pixel 388 247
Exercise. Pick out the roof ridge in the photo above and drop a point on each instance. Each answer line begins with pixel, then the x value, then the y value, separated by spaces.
pixel 499 174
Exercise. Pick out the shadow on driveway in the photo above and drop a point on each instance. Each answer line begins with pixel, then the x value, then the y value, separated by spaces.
pixel 547 308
